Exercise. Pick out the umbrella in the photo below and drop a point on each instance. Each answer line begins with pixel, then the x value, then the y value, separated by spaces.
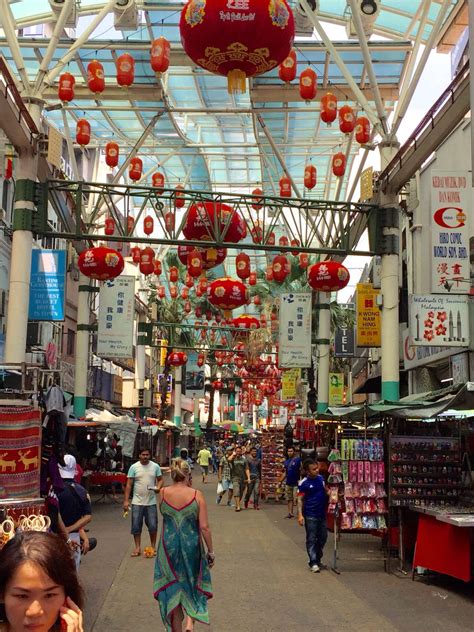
pixel 233 427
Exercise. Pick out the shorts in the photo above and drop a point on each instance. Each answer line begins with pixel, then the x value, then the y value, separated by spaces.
pixel 204 469
pixel 147 512
pixel 291 492
pixel 226 485
pixel 238 485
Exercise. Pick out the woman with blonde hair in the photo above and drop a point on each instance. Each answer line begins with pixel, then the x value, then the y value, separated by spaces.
pixel 182 581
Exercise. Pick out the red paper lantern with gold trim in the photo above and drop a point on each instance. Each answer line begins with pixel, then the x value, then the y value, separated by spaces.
pixel 109 228
pixel 130 224
pixel 285 186
pixel 281 268
pixel 347 119
pixel 362 130
pixel 257 234
pixel 160 290
pixel 95 77
pixel 135 169
pixel 160 54
pixel 200 359
pixel 242 265
pixel 158 182
pixel 211 257
pixel 203 217
pixel 245 321
pixel 308 85
pixel 303 260
pixel 66 87
pixel 194 263
pixel 83 132
pixel 227 294
pixel 135 254
pixel 170 221
pixel 148 225
pixel 125 65
pixel 111 154
pixel 328 276
pixel 310 176
pixel 173 274
pixel 328 108
pixel 237 38
pixel 288 67
pixel 179 200
pixel 339 164
pixel 157 269
pixel 147 261
pixel 257 205
pixel 173 291
pixel 100 263
pixel 177 358
pixel 253 278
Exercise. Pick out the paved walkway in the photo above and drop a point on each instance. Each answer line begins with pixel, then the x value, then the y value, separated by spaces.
pixel 262 584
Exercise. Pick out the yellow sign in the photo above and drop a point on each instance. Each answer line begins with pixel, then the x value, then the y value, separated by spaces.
pixel 368 316
pixel 336 389
pixel 163 350
pixel 289 383
pixel 366 184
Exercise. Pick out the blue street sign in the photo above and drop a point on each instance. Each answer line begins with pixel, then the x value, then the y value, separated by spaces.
pixel 48 285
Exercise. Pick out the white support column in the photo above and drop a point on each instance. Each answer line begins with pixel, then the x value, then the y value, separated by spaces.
pixel 178 391
pixel 324 333
pixel 7 21
pixel 81 360
pixel 140 356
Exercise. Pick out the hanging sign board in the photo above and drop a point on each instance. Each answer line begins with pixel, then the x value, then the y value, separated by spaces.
pixel 47 286
pixel 194 379
pixel 116 312
pixel 289 383
pixel 442 321
pixel 295 330
pixel 414 357
pixel 450 209
pixel 336 389
pixel 368 316
pixel 344 342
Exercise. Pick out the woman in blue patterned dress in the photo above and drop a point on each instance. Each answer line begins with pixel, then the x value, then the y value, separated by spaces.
pixel 182 581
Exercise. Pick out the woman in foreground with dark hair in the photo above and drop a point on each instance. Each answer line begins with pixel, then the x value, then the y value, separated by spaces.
pixel 39 589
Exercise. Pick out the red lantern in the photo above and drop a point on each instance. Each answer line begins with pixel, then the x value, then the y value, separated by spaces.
pixel 310 176
pixel 328 276
pixel 257 234
pixel 202 285
pixel 185 293
pixel 270 241
pixel 130 224
pixel 135 252
pixel 283 241
pixel 125 70
pixel 257 300
pixel 304 260
pixel 170 221
pixel 148 225
pixel 308 84
pixel 198 312
pixel 242 265
pixel 295 243
pixel 160 54
pixel 227 294
pixel 95 77
pixel 346 119
pixel 200 359
pixel 288 68
pixel 281 268
pixel 285 187
pixel 256 38
pixel 253 278
pixel 187 307
pixel 179 196
pixel 147 260
pixel 173 291
pixel 157 267
pixel 203 217
pixel 135 168
pixel 362 130
pixel 217 385
pixel 173 274
pixel 328 108
pixel 66 87
pixel 339 164
pixel 111 154
pixel 109 226
pixel 158 181
pixel 177 358
pixel 269 273
pixel 257 205
pixel 83 132
pixel 211 257
pixel 160 290
pixel 244 321
pixel 100 263
pixel 189 281
pixel 194 263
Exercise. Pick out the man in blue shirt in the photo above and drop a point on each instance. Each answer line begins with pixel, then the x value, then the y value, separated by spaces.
pixel 312 503
pixel 291 472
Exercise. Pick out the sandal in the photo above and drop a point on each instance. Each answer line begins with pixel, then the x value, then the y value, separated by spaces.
pixel 135 554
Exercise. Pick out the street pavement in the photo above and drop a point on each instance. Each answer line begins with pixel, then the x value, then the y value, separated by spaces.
pixel 261 581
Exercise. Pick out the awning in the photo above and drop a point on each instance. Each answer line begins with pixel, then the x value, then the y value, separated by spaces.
pixel 371 385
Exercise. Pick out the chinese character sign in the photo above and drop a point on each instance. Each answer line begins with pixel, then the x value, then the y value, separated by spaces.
pixel 48 283
pixel 289 383
pixel 295 330
pixel 116 312
pixel 439 320
pixel 368 316
pixel 450 205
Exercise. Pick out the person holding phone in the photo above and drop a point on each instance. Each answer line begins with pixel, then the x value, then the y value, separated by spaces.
pixel 39 588
pixel 182 581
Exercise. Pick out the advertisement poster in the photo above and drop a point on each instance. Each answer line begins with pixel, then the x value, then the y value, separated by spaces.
pixel 194 377
pixel 289 384
pixel 414 357
pixel 336 389
pixel 442 321
pixel 116 312
pixel 450 207
pixel 48 284
pixel 344 342
pixel 368 316
pixel 295 330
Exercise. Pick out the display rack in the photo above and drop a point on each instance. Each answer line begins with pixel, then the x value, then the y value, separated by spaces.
pixel 273 457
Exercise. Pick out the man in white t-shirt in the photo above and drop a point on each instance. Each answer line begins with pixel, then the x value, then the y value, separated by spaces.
pixel 143 475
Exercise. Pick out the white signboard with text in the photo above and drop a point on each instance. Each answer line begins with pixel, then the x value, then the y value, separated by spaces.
pixel 116 312
pixel 442 321
pixel 295 330
pixel 450 206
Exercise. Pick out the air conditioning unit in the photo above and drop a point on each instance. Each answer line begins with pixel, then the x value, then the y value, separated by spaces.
pixel 368 11
pixel 57 7
pixel 303 25
pixel 125 15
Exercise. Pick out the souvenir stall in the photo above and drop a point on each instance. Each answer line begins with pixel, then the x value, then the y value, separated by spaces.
pixel 273 456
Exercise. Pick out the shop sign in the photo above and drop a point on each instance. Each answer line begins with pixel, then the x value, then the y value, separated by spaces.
pixel 367 184
pixel 344 342
pixel 336 389
pixel 414 357
pixel 368 316
pixel 450 208
pixel 116 313
pixel 295 330
pixel 441 321
pixel 194 379
pixel 289 384
pixel 460 368
pixel 47 285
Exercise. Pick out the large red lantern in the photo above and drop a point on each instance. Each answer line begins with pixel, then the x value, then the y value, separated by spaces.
pixel 95 77
pixel 211 257
pixel 83 132
pixel 160 54
pixel 202 220
pixel 257 205
pixel 177 358
pixel 147 261
pixel 328 276
pixel 288 68
pixel 194 263
pixel 285 186
pixel 111 154
pixel 237 38
pixel 135 168
pixel 347 119
pixel 158 181
pixel 328 108
pixel 308 84
pixel 109 228
pixel 227 294
pixel 310 176
pixel 362 130
pixel 179 200
pixel 242 265
pixel 244 321
pixel 125 70
pixel 66 87
pixel 339 164
pixel 281 268
pixel 100 263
